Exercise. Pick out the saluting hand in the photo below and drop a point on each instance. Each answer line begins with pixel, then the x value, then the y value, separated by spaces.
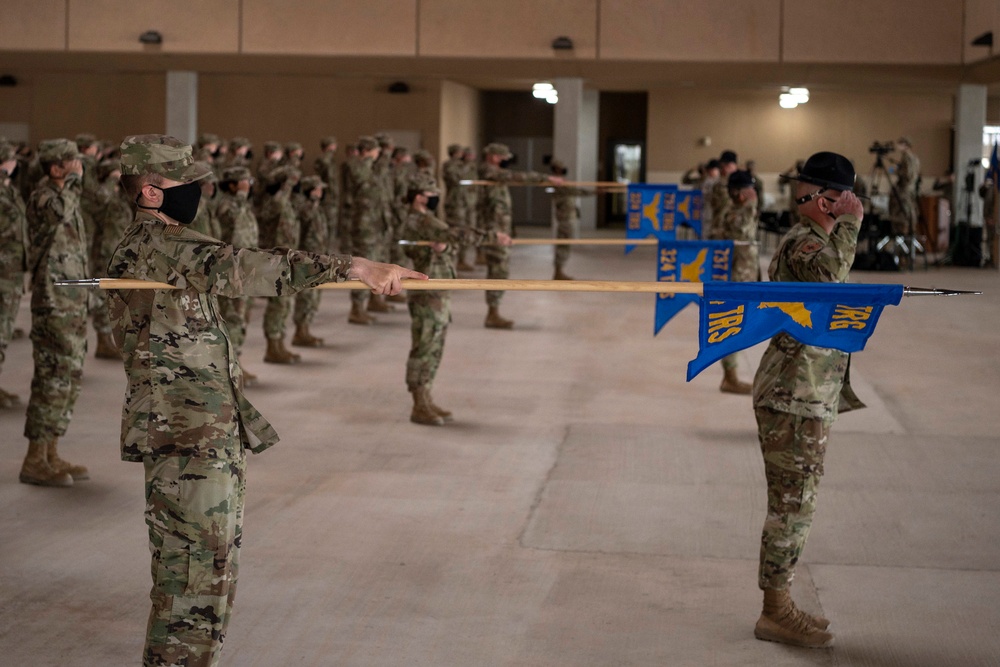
pixel 382 278
pixel 847 203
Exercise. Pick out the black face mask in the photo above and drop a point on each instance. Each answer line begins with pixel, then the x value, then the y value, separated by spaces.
pixel 506 163
pixel 249 155
pixel 180 203
pixel 432 202
pixel 13 172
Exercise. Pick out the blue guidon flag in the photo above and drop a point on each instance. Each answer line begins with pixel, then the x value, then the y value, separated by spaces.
pixel 735 316
pixel 688 262
pixel 687 212
pixel 650 212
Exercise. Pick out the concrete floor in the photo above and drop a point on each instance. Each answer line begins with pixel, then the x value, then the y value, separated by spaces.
pixel 587 508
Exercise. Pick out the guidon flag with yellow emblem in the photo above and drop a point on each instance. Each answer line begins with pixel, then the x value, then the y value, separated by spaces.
pixel 688 262
pixel 735 316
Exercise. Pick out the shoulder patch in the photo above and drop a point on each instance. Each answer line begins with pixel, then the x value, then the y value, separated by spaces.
pixel 811 247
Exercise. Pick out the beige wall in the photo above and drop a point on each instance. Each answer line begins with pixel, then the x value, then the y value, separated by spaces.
pixel 461 117
pixel 771 31
pixel 755 127
pixel 690 30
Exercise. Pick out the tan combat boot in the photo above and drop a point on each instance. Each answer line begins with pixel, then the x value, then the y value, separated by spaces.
pixel 78 473
pixel 106 347
pixel 8 400
pixel 36 468
pixel 781 621
pixel 276 352
pixel 444 414
pixel 249 379
pixel 422 412
pixel 295 357
pixel 494 321
pixel 731 383
pixel 377 304
pixel 359 316
pixel 560 275
pixel 303 338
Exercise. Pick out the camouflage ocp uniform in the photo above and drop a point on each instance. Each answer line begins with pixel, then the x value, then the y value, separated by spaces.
pixel 495 215
pixel 58 250
pixel 567 217
pixel 326 168
pixel 313 237
pixel 368 228
pixel 797 393
pixel 115 215
pixel 13 255
pixel 739 223
pixel 279 226
pixel 430 311
pixel 185 417
pixel 237 227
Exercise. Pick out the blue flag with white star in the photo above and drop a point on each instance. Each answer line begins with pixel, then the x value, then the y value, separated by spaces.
pixel 735 316
pixel 688 262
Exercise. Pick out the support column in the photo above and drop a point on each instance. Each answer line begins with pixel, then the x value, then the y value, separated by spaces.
pixel 970 117
pixel 575 140
pixel 182 105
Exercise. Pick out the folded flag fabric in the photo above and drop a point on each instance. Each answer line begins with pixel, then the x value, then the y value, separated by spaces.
pixel 688 262
pixel 735 316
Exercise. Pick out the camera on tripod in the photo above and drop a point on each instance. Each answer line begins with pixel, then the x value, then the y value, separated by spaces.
pixel 882 147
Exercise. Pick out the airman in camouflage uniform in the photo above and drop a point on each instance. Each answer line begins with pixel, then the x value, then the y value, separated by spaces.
pixel 798 391
pixel 273 155
pixel 567 217
pixel 345 220
pixel 185 417
pixel 293 155
pixel 209 149
pixel 13 256
pixel 58 250
pixel 430 311
pixel 495 216
pixel 453 171
pixel 718 197
pixel 382 170
pixel 206 222
pixel 238 227
pixel 279 228
pixel 472 202
pixel 115 214
pixel 739 223
pixel 403 170
pixel 368 225
pixel 239 153
pixel 326 168
pixel 89 147
pixel 312 238
pixel 904 211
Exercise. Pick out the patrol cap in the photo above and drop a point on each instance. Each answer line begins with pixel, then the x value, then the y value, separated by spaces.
pixel 235 174
pixel 400 151
pixel 105 167
pixel 161 154
pixel 497 149
pixel 282 174
pixel 740 179
pixel 310 183
pixel 384 140
pixel 423 156
pixel 237 142
pixel 7 152
pixel 424 183
pixel 85 141
pixel 210 177
pixel 326 142
pixel 829 170
pixel 454 148
pixel 557 166
pixel 57 150
pixel 271 146
pixel 208 138
pixel 727 156
pixel 367 143
pixel 293 146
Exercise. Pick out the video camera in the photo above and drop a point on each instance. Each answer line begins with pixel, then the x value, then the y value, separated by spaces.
pixel 882 148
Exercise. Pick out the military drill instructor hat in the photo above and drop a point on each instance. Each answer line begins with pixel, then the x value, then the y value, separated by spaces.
pixel 161 154
pixel 740 179
pixel 367 143
pixel 828 170
pixel 57 150
pixel 497 149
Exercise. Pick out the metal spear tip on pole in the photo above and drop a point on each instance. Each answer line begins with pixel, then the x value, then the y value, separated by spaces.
pixel 80 282
pixel 935 291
